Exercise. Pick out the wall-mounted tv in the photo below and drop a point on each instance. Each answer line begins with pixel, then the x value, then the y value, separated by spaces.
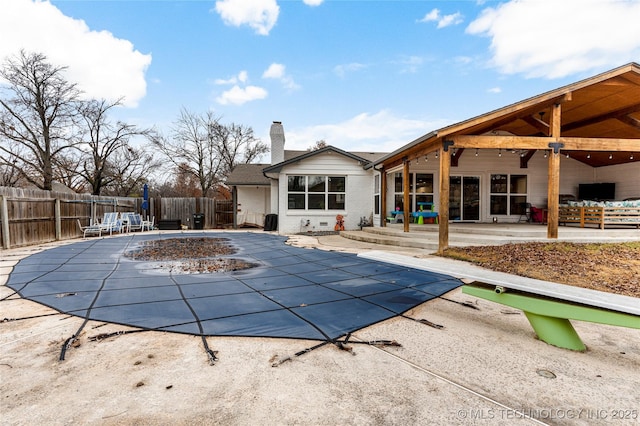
pixel 597 191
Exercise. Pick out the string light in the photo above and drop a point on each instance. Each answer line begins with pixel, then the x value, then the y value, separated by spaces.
pixel 545 153
pixel 500 152
pixel 437 154
pixel 631 156
pixel 588 156
pixel 426 158
pixel 476 152
pixel 610 156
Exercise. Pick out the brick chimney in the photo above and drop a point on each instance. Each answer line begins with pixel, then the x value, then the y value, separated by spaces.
pixel 277 142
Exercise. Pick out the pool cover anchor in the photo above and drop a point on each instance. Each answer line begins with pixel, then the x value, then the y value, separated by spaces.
pixel 342 345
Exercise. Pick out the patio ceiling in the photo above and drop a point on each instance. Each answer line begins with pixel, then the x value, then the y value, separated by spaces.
pixel 599 121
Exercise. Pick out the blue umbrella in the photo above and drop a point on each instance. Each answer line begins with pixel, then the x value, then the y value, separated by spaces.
pixel 145 197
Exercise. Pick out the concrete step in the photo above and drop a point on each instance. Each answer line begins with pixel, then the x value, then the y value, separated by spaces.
pixel 426 236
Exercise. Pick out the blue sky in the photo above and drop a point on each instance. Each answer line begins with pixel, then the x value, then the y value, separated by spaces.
pixel 362 75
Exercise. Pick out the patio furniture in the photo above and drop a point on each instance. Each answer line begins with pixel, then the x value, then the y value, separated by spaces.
pixel 132 222
pixel 111 223
pixel 89 229
pixel 148 223
pixel 600 213
pixel 525 212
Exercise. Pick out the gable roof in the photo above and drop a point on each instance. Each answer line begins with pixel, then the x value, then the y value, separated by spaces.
pixel 604 106
pixel 361 157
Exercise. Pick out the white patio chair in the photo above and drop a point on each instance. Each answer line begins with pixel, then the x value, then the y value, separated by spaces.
pixel 89 229
pixel 148 223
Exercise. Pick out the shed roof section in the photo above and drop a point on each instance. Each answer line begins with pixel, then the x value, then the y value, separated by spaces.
pixel 603 106
pixel 248 174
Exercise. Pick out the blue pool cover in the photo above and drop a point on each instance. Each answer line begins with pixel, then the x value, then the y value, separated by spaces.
pixel 292 292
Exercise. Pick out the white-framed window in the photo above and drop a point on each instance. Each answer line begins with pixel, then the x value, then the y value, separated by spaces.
pixel 420 190
pixel 508 194
pixel 316 192
pixel 376 194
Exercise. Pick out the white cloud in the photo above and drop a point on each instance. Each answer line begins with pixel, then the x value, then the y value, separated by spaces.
pixel 366 132
pixel 529 37
pixel 342 70
pixel 274 71
pixel 313 2
pixel 102 65
pixel 278 72
pixel 242 77
pixel 494 90
pixel 240 95
pixel 261 15
pixel 442 20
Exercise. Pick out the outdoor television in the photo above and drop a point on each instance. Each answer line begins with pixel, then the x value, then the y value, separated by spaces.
pixel 597 191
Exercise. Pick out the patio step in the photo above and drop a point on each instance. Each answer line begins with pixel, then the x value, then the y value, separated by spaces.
pixel 426 236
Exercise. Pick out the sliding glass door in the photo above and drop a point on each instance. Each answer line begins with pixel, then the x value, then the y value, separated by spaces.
pixel 464 198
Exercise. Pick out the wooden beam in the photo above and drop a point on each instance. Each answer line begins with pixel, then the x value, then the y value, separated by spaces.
pixel 443 209
pixel 602 117
pixel 600 144
pixel 542 142
pixel 537 123
pixel 504 142
pixel 524 159
pixel 455 156
pixel 631 121
pixel 405 193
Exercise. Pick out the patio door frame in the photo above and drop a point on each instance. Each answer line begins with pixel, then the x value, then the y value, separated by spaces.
pixel 461 217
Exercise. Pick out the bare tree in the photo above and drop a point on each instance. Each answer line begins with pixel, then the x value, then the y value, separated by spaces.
pixel 37 112
pixel 129 169
pixel 103 141
pixel 204 148
pixel 191 148
pixel 318 145
pixel 236 144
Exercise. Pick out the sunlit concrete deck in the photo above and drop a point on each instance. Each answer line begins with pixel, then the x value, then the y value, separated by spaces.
pixel 474 234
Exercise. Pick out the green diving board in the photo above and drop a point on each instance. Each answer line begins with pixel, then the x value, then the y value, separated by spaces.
pixel 548 306
pixel 550 317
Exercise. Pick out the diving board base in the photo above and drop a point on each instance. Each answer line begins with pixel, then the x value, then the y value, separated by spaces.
pixel 550 317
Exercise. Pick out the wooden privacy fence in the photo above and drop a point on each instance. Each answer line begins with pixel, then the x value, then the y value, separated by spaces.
pixel 33 216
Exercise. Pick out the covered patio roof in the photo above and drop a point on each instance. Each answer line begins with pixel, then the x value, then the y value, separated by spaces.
pixel 595 121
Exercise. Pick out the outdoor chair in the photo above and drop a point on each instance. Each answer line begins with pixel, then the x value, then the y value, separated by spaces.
pixel 525 212
pixel 89 230
pixel 148 223
pixel 111 223
pixel 132 222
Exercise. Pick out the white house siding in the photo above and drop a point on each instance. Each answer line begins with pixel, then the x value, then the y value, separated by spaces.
pixel 358 197
pixel 253 204
pixel 625 176
pixel 488 162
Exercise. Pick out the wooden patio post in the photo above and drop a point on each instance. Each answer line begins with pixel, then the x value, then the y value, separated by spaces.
pixel 405 193
pixel 553 184
pixel 443 210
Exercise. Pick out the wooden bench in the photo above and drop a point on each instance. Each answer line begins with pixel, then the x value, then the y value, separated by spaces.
pixel 548 306
pixel 599 216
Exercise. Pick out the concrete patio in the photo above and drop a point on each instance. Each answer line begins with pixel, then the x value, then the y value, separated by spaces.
pixel 484 366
